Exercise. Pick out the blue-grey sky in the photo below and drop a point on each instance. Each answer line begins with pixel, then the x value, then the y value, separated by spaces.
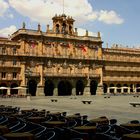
pixel 117 20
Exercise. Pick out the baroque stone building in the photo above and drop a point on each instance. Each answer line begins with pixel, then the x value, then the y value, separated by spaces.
pixel 59 62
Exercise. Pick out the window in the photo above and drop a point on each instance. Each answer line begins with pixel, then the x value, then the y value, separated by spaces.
pixel 3 50
pixel 14 50
pixel 14 62
pixel 3 62
pixel 3 74
pixel 14 75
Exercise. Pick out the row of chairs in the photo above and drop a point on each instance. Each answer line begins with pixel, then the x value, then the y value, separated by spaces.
pixel 109 130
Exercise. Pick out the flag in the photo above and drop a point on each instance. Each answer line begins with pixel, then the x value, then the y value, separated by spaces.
pixel 83 48
pixel 32 45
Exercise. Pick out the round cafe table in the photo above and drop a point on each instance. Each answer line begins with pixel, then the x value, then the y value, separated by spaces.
pixel 72 117
pixel 86 129
pixel 19 136
pixel 100 121
pixel 3 130
pixel 36 119
pixel 131 126
pixel 54 123
pixel 131 137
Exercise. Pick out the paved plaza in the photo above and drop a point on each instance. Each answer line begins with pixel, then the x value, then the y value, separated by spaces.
pixel 114 107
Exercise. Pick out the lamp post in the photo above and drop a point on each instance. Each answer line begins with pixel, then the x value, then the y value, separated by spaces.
pixel 28 73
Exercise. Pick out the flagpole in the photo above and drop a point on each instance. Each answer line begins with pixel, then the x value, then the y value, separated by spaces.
pixel 63 6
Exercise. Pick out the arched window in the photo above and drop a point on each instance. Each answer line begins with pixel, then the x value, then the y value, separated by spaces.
pixel 57 29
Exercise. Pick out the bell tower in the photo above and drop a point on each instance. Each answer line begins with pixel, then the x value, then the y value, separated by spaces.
pixel 63 24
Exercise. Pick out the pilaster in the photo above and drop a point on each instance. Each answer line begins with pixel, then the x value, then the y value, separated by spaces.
pixel 87 87
pixel 22 74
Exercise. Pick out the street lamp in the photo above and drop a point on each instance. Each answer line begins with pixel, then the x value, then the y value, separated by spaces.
pixel 28 73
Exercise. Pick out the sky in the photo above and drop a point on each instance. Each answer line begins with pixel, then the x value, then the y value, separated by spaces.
pixel 117 20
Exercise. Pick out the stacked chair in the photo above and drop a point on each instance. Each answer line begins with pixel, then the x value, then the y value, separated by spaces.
pixel 47 125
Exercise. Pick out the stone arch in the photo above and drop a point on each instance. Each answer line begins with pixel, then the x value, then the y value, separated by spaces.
pixel 118 88
pixel 31 87
pixel 3 91
pixel 137 87
pixel 64 26
pixel 125 88
pixel 57 28
pixel 105 88
pixel 93 87
pixel 70 29
pixel 111 88
pixel 131 88
pixel 64 88
pixel 13 91
pixel 79 87
pixel 49 88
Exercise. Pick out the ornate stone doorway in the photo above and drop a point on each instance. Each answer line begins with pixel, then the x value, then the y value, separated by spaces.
pixel 64 88
pixel 31 87
pixel 93 87
pixel 13 91
pixel 49 87
pixel 3 91
pixel 79 87
pixel 105 88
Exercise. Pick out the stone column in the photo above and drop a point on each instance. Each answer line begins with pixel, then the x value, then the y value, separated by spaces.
pixel 108 90
pixel 74 91
pixel 40 88
pixel 100 85
pixel 73 82
pixel 115 90
pixel 55 92
pixel 121 89
pixel 134 89
pixel 87 88
pixel 128 90
pixel 22 74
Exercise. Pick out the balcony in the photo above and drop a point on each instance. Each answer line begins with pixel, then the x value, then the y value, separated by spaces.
pixel 128 69
pixel 33 74
pixel 51 74
pixel 121 79
pixel 9 65
pixel 10 78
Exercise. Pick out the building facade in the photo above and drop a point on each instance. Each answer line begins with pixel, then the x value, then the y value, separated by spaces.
pixel 59 62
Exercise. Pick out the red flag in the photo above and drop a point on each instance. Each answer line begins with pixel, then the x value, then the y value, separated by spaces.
pixel 32 45
pixel 83 48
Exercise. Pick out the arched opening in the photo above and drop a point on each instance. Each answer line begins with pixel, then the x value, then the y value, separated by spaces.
pixel 112 88
pixel 13 91
pixel 3 90
pixel 93 87
pixel 105 88
pixel 70 29
pixel 125 88
pixel 118 88
pixel 131 88
pixel 31 87
pixel 137 87
pixel 49 87
pixel 79 87
pixel 64 28
pixel 57 29
pixel 64 88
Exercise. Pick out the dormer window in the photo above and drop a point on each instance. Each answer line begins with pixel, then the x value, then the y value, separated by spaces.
pixel 57 29
pixel 3 50
pixel 14 50
pixel 64 28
